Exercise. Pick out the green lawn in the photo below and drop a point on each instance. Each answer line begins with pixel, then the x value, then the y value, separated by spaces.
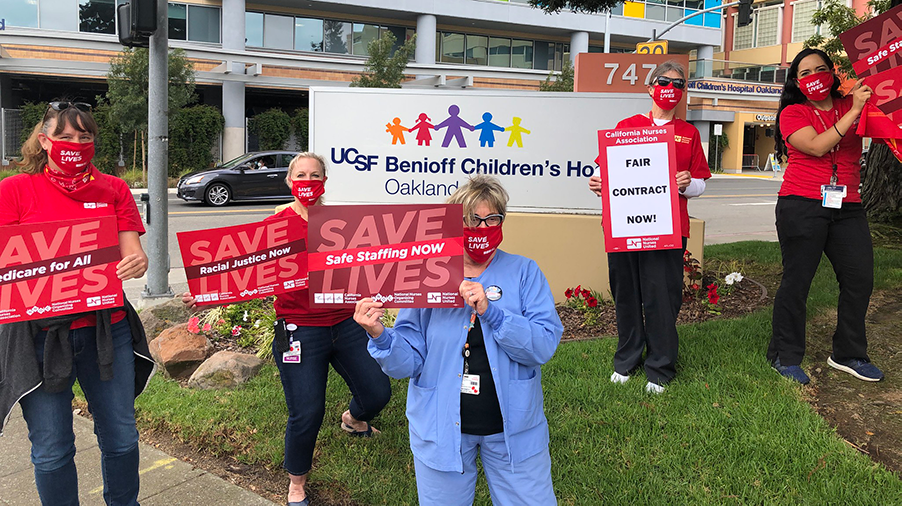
pixel 727 431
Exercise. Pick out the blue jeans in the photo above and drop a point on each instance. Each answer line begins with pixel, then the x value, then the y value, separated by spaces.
pixel 528 484
pixel 111 403
pixel 344 346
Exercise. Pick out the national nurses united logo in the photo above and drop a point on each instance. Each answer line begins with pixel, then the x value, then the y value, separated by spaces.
pixel 454 126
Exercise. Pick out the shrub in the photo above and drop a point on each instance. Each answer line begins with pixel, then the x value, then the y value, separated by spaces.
pixel 272 128
pixel 192 132
pixel 301 124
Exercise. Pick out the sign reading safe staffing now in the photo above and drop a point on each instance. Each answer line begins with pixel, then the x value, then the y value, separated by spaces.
pixel 401 255
pixel 243 262
pixel 640 210
pixel 58 268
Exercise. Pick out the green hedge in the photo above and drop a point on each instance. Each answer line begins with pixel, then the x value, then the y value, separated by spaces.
pixel 192 131
pixel 272 128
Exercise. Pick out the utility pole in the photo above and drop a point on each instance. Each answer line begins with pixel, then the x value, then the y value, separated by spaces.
pixel 157 211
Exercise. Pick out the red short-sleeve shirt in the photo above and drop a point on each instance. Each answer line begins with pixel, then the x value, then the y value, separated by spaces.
pixel 689 155
pixel 295 306
pixel 805 173
pixel 32 198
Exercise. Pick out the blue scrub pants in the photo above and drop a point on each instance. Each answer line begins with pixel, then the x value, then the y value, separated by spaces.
pixel 529 485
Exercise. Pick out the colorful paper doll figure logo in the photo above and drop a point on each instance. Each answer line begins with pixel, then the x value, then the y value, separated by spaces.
pixel 454 126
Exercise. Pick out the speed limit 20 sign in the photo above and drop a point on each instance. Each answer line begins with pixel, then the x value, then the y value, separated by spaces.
pixel 656 47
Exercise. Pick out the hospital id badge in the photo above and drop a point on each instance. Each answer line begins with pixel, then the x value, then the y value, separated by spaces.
pixel 470 384
pixel 293 355
pixel 832 195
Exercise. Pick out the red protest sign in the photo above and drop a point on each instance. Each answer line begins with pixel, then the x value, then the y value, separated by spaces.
pixel 243 262
pixel 876 44
pixel 640 206
pixel 887 92
pixel 402 255
pixel 58 268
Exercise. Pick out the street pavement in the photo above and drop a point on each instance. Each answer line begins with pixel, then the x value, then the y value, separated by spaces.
pixel 165 480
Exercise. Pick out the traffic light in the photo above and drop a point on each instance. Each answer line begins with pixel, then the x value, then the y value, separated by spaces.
pixel 745 12
pixel 137 22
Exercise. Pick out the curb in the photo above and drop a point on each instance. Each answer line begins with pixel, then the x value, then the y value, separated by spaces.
pixel 756 176
pixel 139 191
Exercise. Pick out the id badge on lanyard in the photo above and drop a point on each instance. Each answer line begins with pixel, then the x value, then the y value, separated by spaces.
pixel 832 194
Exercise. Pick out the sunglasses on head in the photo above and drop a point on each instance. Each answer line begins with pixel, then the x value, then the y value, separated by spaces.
pixel 678 82
pixel 62 106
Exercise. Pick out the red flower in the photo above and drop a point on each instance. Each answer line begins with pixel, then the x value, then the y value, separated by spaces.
pixel 578 289
pixel 586 293
pixel 592 301
pixel 220 322
pixel 569 293
pixel 713 297
pixel 192 325
pixel 236 330
pixel 207 327
pixel 695 286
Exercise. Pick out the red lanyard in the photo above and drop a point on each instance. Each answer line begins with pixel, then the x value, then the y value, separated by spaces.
pixel 833 178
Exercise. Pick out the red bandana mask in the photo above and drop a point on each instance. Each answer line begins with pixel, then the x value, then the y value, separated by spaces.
pixel 816 86
pixel 481 242
pixel 667 97
pixel 308 191
pixel 72 158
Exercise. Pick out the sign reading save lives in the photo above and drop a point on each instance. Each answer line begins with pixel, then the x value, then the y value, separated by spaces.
pixel 401 255
pixel 58 268
pixel 232 264
pixel 640 207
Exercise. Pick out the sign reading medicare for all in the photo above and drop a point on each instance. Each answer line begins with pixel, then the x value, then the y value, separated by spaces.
pixel 418 146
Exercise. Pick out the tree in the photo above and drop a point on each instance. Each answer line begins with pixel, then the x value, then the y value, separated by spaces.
pixel 272 128
pixel 384 69
pixel 127 92
pixel 564 81
pixel 881 175
pixel 588 6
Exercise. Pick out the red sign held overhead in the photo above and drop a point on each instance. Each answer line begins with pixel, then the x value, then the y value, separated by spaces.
pixel 874 45
pixel 402 255
pixel 232 264
pixel 58 268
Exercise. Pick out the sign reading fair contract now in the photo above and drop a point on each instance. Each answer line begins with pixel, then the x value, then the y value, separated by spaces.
pixel 232 264
pixel 58 268
pixel 400 255
pixel 639 196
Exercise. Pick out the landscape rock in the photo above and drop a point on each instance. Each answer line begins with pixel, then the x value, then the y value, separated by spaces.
pixel 179 352
pixel 162 316
pixel 225 369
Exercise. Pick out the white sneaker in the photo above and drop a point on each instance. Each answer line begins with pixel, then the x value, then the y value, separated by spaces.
pixel 619 378
pixel 654 388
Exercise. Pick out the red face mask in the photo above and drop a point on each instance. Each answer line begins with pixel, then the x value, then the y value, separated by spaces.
pixel 72 158
pixel 816 86
pixel 308 191
pixel 667 97
pixel 481 242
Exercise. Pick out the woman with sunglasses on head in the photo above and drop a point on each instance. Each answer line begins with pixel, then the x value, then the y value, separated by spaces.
pixel 651 282
pixel 475 372
pixel 308 340
pixel 819 212
pixel 105 350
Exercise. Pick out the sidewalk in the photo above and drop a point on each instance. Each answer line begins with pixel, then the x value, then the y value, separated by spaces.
pixel 165 480
pixel 752 173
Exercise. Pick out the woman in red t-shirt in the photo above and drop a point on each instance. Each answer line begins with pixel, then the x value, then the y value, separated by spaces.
pixel 819 211
pixel 312 339
pixel 651 282
pixel 58 182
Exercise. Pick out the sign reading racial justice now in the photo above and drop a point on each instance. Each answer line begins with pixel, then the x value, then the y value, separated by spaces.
pixel 58 268
pixel 640 206
pixel 400 255
pixel 243 262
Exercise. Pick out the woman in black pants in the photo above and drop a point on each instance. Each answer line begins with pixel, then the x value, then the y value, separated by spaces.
pixel 819 211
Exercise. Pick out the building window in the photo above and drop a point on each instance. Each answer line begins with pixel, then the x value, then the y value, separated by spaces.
pixel 477 50
pixel 337 36
pixel 363 35
pixel 22 13
pixel 499 52
pixel 544 56
pixel 253 29
pixel 743 35
pixel 767 23
pixel 278 31
pixel 203 23
pixel 308 34
pixel 97 16
pixel 58 15
pixel 802 28
pixel 521 54
pixel 178 22
pixel 453 47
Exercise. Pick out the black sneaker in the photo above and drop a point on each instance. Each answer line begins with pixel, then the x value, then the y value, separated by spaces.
pixel 861 369
pixel 792 372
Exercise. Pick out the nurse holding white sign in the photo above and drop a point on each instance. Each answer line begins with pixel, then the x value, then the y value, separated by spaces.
pixel 649 167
